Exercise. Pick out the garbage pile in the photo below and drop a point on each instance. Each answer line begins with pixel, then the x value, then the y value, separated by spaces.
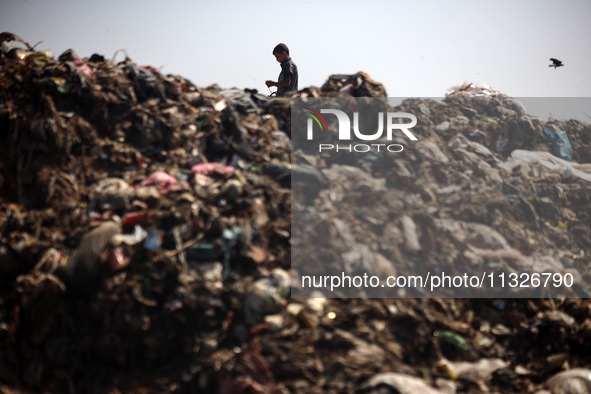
pixel 484 186
pixel 146 240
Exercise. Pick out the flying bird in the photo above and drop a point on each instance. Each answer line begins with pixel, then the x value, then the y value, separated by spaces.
pixel 556 63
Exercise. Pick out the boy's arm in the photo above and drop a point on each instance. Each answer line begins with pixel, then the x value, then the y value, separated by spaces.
pixel 283 84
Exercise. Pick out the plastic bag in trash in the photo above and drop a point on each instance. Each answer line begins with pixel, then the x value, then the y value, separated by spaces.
pixel 81 271
pixel 112 193
pixel 478 372
pixel 561 144
pixel 154 240
pixel 397 383
pixel 575 381
pixel 267 295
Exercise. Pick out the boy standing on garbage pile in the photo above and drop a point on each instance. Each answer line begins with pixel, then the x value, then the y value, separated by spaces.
pixel 288 78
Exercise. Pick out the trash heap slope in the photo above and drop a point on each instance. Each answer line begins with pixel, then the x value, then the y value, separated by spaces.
pixel 485 188
pixel 146 241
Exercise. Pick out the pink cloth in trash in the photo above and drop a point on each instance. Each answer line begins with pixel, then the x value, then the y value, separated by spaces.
pixel 211 168
pixel 83 67
pixel 163 182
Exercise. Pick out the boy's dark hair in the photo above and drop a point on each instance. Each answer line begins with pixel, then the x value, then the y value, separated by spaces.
pixel 280 48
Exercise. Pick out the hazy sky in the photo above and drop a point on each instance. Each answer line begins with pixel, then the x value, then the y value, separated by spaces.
pixel 415 48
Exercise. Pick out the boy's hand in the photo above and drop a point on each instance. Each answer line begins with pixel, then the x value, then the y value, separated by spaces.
pixel 269 83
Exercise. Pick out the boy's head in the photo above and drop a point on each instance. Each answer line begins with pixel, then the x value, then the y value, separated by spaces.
pixel 281 52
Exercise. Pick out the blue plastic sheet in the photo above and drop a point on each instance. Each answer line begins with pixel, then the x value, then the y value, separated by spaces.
pixel 561 144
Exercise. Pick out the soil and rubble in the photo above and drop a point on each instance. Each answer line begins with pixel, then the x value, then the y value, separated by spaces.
pixel 145 239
